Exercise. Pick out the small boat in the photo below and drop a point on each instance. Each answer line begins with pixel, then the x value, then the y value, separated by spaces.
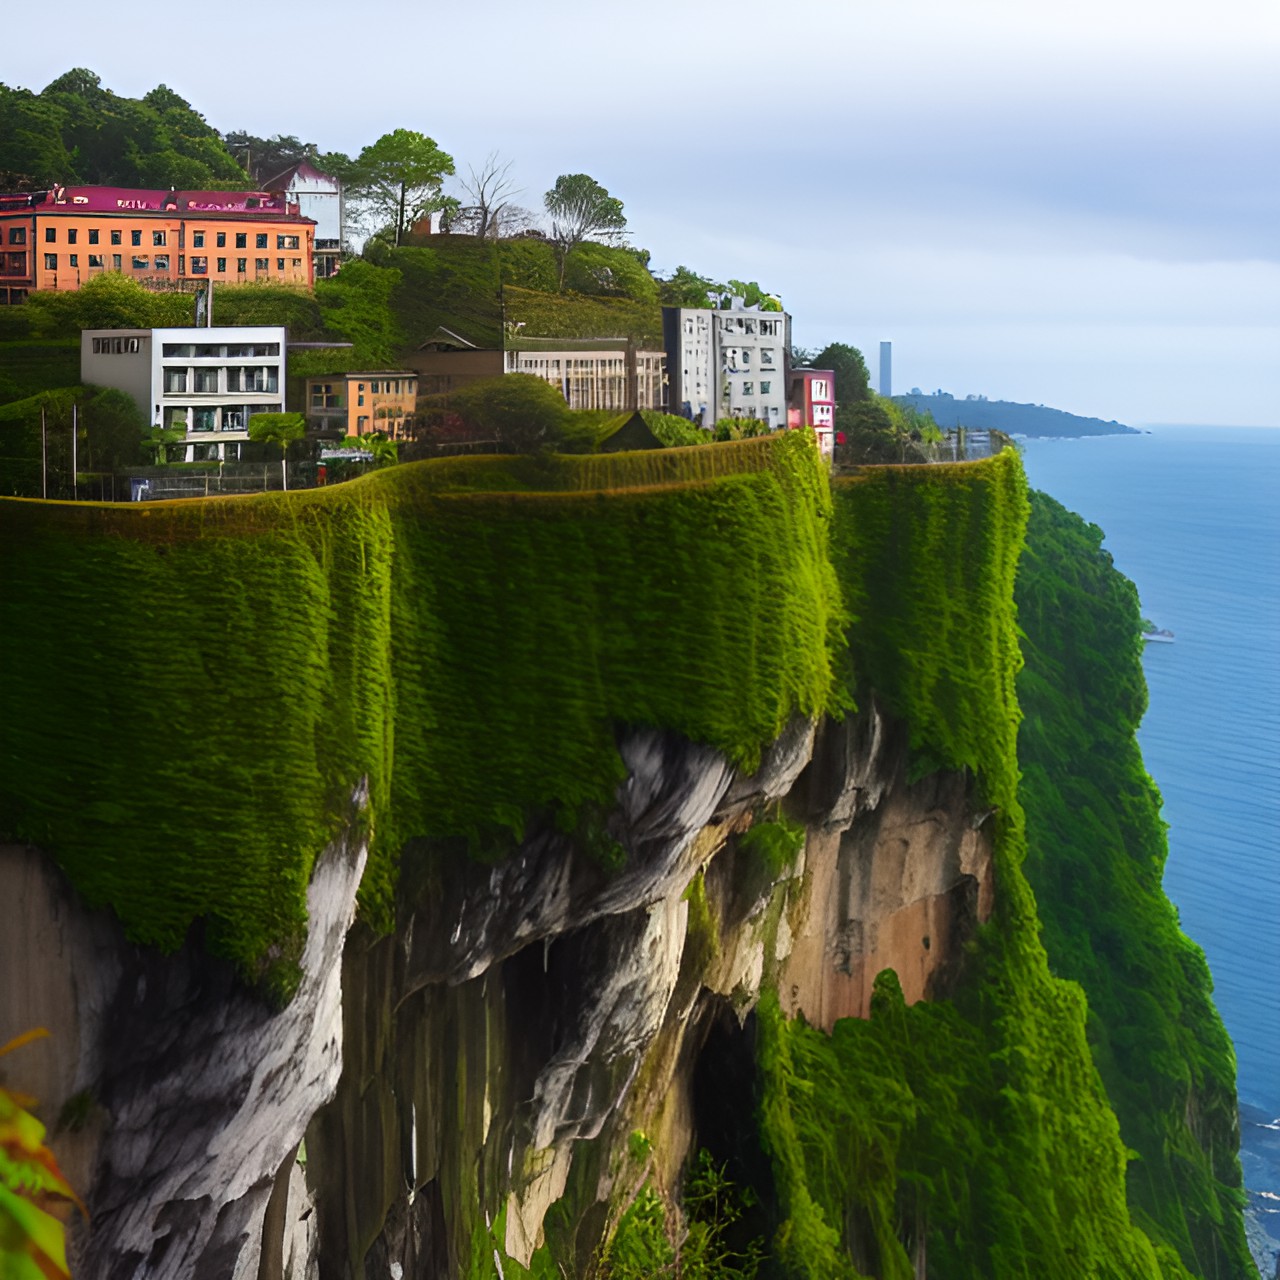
pixel 1158 637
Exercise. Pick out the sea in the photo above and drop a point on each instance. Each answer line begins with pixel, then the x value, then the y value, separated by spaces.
pixel 1192 516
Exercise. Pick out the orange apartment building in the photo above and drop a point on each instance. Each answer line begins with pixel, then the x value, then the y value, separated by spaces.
pixel 359 404
pixel 164 239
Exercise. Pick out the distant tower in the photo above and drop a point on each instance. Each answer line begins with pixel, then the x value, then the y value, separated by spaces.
pixel 886 368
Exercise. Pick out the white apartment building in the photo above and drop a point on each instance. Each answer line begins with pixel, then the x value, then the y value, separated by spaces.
pixel 204 382
pixel 727 364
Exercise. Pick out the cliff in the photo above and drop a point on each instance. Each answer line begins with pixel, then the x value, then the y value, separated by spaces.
pixel 484 868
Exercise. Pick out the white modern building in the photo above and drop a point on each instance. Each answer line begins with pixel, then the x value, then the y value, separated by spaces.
pixel 593 373
pixel 204 382
pixel 728 363
pixel 321 197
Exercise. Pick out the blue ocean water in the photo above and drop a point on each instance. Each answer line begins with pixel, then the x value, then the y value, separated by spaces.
pixel 1192 515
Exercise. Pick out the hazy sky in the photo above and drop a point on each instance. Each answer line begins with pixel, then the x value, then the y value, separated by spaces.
pixel 1077 205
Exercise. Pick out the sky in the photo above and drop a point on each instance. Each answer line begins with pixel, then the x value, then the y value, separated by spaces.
pixel 1073 205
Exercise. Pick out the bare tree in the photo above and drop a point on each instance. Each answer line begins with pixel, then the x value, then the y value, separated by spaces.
pixel 490 188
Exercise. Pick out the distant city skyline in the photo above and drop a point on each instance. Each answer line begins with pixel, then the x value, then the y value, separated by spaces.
pixel 1077 207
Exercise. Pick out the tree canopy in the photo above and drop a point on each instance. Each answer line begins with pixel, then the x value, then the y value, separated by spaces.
pixel 76 131
pixel 853 382
pixel 265 158
pixel 397 180
pixel 581 208
pixel 521 412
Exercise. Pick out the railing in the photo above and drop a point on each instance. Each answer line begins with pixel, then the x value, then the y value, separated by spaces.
pixel 880 450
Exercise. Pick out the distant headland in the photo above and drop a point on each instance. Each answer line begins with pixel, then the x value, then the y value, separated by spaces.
pixel 1008 416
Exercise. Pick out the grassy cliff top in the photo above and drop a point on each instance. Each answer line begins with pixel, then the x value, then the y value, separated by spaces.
pixel 467 634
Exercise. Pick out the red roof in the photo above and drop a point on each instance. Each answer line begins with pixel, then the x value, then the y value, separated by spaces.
pixel 257 204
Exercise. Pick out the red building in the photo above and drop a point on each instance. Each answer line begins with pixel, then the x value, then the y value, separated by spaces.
pixel 811 402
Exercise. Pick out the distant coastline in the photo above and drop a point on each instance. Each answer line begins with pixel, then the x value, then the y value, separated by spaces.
pixel 1010 417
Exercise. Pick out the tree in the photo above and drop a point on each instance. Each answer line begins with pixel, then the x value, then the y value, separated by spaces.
pixel 490 190
pixel 751 294
pixel 685 288
pixel 278 428
pixel 265 158
pixel 853 382
pixel 521 412
pixel 580 207
pixel 397 180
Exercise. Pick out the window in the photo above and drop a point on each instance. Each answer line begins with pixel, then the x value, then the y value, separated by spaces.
pixel 115 237
pixel 205 380
pixel 182 264
pixel 177 350
pixel 819 390
pixel 242 265
pixel 157 239
pixel 222 266
pixel 748 388
pixel 95 259
pixel 135 237
pixel 199 266
pixel 93 235
pixel 197 239
pixel 17 264
pixel 362 425
pixel 141 262
pixel 17 235
pixel 233 419
pixel 71 235
pixel 766 356
pixel 51 235
pixel 766 388
pixel 260 240
pixel 262 264
pixel 73 260
pixel 222 239
pixel 746 357
pixel 286 242
pixel 297 262
pixel 360 400
pixel 174 379
pixel 51 262
pixel 204 419
pixel 115 262
pixel 279 264
pixel 242 240
pixel 323 396
pixel 162 262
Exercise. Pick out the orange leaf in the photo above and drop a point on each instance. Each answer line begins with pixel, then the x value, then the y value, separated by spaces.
pixel 36 1033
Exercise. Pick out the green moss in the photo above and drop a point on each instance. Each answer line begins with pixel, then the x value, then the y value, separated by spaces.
pixel 1097 852
pixel 465 635
pixel 976 1128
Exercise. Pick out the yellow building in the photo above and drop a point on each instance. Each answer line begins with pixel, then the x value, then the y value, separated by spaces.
pixel 59 239
pixel 362 403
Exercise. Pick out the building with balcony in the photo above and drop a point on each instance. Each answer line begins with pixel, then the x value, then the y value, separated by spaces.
pixel 59 239
pixel 811 402
pixel 206 383
pixel 362 403
pixel 729 363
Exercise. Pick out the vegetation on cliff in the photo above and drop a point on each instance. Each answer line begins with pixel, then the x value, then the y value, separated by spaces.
pixel 1097 851
pixel 973 1132
pixel 464 634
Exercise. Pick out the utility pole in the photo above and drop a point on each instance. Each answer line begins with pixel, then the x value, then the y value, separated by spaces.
pixel 44 457
pixel 75 430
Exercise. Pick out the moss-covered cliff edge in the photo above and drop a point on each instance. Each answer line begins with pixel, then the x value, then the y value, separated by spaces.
pixel 627 869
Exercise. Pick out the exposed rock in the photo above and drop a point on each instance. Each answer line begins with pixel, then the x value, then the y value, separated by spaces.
pixel 497 1051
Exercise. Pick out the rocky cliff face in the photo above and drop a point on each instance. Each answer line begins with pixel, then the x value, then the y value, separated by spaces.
pixel 476 1080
